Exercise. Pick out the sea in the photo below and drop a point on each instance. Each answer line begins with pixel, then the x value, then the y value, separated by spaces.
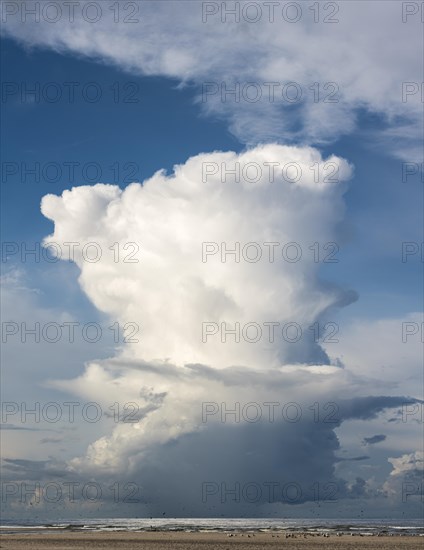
pixel 229 525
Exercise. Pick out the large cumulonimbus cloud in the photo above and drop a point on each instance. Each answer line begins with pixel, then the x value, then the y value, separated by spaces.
pixel 182 378
pixel 210 252
pixel 180 296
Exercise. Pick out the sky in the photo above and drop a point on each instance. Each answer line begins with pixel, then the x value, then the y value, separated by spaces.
pixel 222 312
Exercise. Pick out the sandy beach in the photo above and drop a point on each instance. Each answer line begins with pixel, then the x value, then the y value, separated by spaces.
pixel 206 541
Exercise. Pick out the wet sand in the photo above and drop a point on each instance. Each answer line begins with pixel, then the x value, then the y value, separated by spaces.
pixel 203 541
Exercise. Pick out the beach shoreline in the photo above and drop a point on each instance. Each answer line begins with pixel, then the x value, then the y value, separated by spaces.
pixel 165 540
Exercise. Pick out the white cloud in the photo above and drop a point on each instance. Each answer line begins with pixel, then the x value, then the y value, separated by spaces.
pixel 369 53
pixel 170 292
pixel 406 478
pixel 407 463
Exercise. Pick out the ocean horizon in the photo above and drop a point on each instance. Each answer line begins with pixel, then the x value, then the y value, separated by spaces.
pixel 310 525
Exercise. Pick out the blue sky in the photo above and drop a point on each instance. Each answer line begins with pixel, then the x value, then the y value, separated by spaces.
pixel 371 376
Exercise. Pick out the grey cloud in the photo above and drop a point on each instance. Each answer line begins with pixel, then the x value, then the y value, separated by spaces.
pixel 8 426
pixel 366 408
pixel 46 440
pixel 374 439
pixel 354 458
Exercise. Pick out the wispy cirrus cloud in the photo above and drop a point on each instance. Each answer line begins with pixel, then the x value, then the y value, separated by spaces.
pixel 334 67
